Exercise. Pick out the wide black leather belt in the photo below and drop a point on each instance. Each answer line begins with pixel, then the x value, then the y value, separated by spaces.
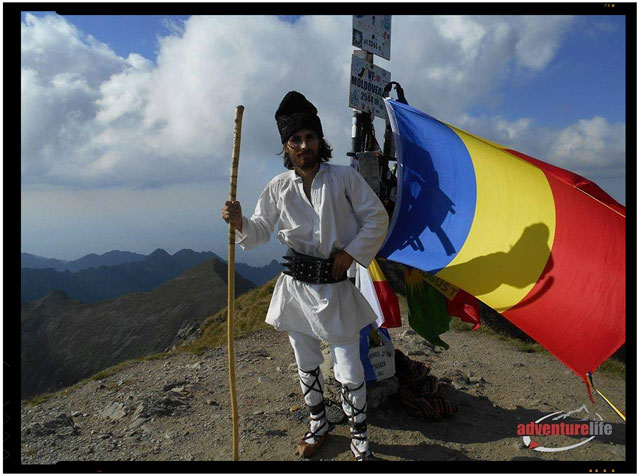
pixel 310 269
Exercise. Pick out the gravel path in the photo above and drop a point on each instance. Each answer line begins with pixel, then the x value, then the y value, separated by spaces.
pixel 176 408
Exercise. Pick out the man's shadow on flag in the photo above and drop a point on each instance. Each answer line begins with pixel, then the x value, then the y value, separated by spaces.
pixel 519 267
pixel 428 208
pixel 424 204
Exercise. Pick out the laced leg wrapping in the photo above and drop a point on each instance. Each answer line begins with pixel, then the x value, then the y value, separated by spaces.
pixel 354 404
pixel 312 386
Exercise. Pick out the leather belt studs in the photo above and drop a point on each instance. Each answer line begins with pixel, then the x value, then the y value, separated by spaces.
pixel 310 269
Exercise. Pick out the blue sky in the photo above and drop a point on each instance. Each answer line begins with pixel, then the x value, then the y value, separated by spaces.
pixel 588 61
pixel 131 33
pixel 127 119
pixel 127 33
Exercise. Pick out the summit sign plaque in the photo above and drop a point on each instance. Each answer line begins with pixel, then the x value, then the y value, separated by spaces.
pixel 366 86
pixel 372 33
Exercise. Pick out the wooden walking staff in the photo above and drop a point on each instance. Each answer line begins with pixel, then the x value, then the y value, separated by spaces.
pixel 237 129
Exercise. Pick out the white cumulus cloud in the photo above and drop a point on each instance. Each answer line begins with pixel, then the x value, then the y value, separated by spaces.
pixel 593 143
pixel 590 147
pixel 540 38
pixel 93 118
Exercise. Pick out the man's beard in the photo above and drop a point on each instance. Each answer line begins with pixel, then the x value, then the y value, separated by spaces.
pixel 308 161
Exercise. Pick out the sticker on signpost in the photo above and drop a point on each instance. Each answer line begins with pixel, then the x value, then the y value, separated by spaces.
pixel 372 33
pixel 366 86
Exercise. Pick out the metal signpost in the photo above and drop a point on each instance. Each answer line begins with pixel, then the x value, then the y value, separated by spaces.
pixel 372 35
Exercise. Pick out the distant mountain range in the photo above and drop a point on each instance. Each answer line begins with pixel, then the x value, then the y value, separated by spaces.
pixel 112 258
pixel 64 341
pixel 95 278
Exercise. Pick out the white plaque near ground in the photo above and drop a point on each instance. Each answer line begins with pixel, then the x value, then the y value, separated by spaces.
pixel 372 33
pixel 366 85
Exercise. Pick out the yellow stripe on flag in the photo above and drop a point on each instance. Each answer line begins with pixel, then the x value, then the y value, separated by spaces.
pixel 512 232
pixel 376 272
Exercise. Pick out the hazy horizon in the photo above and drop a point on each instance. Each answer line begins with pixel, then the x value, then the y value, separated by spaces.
pixel 171 252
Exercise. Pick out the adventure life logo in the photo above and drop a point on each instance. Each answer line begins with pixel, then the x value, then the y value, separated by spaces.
pixel 552 432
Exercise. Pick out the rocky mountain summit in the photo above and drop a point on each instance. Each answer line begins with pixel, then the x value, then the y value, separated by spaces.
pixel 176 407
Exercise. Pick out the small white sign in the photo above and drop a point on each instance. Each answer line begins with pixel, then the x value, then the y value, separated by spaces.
pixel 366 85
pixel 383 362
pixel 372 33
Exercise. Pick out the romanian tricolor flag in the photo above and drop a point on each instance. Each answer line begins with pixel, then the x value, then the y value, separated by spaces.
pixel 386 297
pixel 541 245
pixel 376 289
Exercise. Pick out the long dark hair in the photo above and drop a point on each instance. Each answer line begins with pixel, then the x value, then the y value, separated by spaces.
pixel 324 151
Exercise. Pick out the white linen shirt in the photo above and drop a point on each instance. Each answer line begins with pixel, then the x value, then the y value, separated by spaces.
pixel 344 214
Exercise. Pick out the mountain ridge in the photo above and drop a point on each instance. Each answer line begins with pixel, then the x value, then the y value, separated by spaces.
pixel 110 258
pixel 143 273
pixel 64 340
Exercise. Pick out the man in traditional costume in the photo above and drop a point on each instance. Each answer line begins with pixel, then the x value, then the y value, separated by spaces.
pixel 329 217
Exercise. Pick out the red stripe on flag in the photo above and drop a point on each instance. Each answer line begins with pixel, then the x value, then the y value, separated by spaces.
pixel 582 287
pixel 388 303
pixel 575 180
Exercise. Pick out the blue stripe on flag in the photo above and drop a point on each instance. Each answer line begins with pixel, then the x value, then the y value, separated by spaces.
pixel 436 191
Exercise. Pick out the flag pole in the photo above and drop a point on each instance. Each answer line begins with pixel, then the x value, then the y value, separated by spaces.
pixel 235 156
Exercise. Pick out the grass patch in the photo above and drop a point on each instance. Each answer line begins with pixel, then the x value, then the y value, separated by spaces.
pixel 108 372
pixel 523 346
pixel 460 326
pixel 613 367
pixel 38 399
pixel 31 452
pixel 250 311
pixel 158 356
pixel 527 347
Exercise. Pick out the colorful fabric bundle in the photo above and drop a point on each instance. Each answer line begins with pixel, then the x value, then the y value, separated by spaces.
pixel 418 390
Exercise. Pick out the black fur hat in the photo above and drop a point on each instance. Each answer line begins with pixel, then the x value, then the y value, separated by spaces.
pixel 294 113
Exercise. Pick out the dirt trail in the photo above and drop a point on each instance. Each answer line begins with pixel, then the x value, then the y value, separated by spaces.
pixel 177 408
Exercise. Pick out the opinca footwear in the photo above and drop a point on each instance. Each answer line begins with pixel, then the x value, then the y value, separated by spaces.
pixel 357 415
pixel 311 384
pixel 307 450
pixel 366 455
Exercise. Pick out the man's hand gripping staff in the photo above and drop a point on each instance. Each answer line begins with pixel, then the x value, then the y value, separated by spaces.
pixel 232 212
